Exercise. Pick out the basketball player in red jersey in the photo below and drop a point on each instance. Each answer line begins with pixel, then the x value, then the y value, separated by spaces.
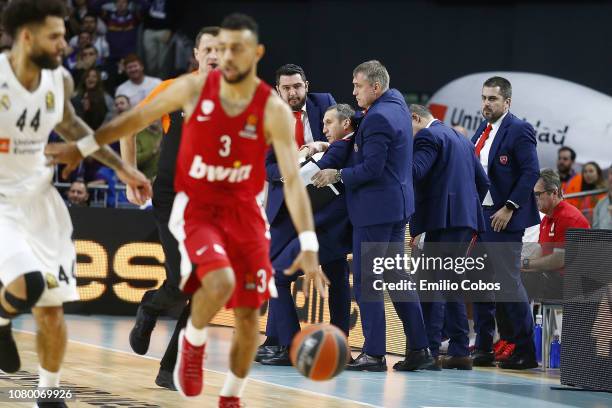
pixel 230 117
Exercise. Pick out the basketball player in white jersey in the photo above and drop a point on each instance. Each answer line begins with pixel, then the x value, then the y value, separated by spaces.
pixel 37 257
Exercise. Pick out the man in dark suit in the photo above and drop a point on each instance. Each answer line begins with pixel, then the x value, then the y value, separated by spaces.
pixel 332 226
pixel 506 146
pixel 449 185
pixel 379 197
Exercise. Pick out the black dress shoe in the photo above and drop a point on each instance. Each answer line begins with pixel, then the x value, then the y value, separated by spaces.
pixel 457 362
pixel 140 335
pixel 280 358
pixel 482 358
pixel 164 379
pixel 415 360
pixel 266 352
pixel 436 365
pixel 521 361
pixel 9 356
pixel 366 362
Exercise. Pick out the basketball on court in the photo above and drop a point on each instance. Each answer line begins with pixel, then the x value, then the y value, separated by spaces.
pixel 320 352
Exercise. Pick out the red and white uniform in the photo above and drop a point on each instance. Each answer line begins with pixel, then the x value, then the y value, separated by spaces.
pixel 215 217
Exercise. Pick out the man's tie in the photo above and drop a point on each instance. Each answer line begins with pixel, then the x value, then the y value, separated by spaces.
pixel 299 128
pixel 483 138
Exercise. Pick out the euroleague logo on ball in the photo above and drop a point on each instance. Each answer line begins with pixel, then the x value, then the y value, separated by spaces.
pixel 207 106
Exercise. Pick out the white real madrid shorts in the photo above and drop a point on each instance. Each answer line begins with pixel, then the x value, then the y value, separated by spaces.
pixel 36 235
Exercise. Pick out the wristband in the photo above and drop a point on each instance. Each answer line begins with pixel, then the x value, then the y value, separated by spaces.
pixel 87 145
pixel 308 241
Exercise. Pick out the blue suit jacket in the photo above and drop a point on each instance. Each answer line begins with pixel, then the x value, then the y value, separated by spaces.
pixel 513 170
pixel 449 181
pixel 378 182
pixel 316 105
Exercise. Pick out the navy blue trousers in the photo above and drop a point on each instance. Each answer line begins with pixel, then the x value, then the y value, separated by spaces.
pixel 503 265
pixel 373 310
pixel 449 312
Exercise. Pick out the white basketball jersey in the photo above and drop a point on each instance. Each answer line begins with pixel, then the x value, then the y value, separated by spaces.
pixel 26 120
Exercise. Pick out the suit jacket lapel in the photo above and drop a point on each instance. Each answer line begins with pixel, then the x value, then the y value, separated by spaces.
pixel 314 119
pixel 499 136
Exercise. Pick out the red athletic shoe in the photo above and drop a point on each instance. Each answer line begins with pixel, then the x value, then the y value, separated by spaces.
pixel 499 346
pixel 229 402
pixel 188 372
pixel 506 353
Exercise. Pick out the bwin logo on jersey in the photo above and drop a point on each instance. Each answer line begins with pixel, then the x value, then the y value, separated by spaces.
pixel 235 174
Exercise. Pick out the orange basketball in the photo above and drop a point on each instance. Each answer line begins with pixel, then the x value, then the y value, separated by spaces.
pixel 320 352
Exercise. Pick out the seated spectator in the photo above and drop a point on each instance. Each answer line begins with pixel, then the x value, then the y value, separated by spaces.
pixel 72 53
pixel 91 103
pixel 139 85
pixel 602 214
pixel 77 195
pixel 559 217
pixel 592 179
pixel 159 22
pixel 122 25
pixel 89 25
pixel 87 58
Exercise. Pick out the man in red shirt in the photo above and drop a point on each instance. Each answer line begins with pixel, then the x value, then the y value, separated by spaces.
pixel 559 217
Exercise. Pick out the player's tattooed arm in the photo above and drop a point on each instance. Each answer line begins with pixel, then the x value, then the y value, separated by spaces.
pixel 280 128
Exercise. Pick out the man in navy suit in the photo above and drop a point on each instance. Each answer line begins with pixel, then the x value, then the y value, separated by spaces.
pixel 332 226
pixel 379 197
pixel 506 146
pixel 449 185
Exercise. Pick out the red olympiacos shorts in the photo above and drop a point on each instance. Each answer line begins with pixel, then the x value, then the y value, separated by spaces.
pixel 214 236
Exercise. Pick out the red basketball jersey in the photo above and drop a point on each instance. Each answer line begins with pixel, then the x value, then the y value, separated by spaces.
pixel 221 157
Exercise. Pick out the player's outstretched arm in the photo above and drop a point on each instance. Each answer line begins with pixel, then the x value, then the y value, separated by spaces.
pixel 73 128
pixel 279 130
pixel 179 94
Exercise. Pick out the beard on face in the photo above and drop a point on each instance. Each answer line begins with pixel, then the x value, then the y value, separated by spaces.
pixel 44 60
pixel 240 76
pixel 296 103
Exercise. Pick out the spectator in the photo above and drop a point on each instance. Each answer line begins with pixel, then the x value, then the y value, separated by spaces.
pixel 91 103
pixel 592 179
pixel 122 35
pixel 158 25
pixel 570 180
pixel 83 41
pixel 602 215
pixel 98 40
pixel 77 195
pixel 139 85
pixel 559 217
pixel 86 59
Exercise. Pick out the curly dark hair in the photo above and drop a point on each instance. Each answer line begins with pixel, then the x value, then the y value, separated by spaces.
pixel 21 12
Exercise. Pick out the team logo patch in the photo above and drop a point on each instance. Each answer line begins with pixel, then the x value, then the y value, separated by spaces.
pixel 250 128
pixel 503 159
pixel 5 103
pixel 5 145
pixel 50 101
pixel 51 281
pixel 207 106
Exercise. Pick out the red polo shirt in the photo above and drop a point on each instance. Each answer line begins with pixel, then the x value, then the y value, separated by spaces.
pixel 552 228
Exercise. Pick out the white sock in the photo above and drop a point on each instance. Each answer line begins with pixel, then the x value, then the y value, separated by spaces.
pixel 233 385
pixel 195 336
pixel 4 322
pixel 47 378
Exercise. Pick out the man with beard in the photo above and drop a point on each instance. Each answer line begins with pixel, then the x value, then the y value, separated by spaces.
pixel 169 295
pixel 230 118
pixel 37 261
pixel 308 109
pixel 506 147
